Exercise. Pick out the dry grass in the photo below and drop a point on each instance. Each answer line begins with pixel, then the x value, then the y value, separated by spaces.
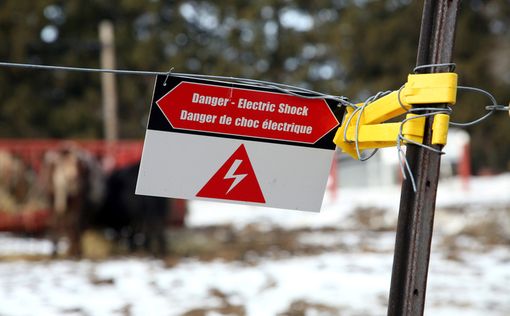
pixel 225 308
pixel 303 308
pixel 248 245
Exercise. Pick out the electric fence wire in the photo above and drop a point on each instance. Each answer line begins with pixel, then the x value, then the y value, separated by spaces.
pixel 402 158
pixel 288 89
pixel 359 110
pixel 450 66
pixel 422 112
pixel 310 94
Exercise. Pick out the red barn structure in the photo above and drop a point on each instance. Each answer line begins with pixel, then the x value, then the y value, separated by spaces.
pixel 31 218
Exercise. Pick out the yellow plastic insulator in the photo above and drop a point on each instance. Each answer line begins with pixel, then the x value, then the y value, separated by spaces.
pixel 384 109
pixel 414 129
pixel 419 89
pixel 345 144
pixel 366 128
pixel 377 135
pixel 430 88
pixel 440 129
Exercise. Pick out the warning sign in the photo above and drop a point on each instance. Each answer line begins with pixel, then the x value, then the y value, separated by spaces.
pixel 246 112
pixel 223 141
pixel 235 180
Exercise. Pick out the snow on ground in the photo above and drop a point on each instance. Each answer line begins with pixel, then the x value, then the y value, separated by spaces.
pixel 469 272
pixel 332 214
pixel 348 283
pixel 10 245
pixel 482 191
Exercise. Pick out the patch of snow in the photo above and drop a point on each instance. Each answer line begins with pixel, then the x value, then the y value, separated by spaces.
pixel 333 213
pixel 12 245
pixel 354 283
pixel 483 192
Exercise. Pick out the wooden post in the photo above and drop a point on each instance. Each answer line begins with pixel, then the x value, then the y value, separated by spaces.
pixel 110 122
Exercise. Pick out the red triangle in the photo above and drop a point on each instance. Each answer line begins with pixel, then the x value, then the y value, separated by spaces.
pixel 235 180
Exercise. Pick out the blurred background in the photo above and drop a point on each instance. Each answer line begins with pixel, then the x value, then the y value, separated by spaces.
pixel 350 48
pixel 217 259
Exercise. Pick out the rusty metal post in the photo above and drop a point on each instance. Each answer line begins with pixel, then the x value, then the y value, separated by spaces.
pixel 416 214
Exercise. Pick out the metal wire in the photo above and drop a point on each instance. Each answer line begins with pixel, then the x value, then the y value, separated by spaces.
pixel 81 69
pixel 310 94
pixel 358 121
pixel 404 163
pixel 430 111
pixel 494 108
pixel 498 107
pixel 359 110
pixel 451 66
pixel 289 89
pixel 167 75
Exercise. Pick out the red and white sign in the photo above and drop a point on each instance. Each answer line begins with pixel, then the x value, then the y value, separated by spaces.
pixel 244 112
pixel 233 143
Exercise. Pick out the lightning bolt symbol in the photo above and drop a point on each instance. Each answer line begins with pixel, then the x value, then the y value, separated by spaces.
pixel 231 174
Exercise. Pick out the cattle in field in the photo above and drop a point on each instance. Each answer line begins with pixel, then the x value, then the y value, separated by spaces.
pixel 82 196
pixel 74 183
pixel 140 219
pixel 15 178
pixel 23 207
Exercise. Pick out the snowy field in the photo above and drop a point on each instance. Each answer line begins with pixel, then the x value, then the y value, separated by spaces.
pixel 274 262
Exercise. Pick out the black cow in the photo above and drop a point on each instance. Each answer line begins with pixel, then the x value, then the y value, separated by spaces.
pixel 140 219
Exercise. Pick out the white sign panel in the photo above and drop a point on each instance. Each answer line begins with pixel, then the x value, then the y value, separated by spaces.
pixel 239 144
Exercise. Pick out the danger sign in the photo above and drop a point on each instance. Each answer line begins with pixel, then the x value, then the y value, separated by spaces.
pixel 237 143
pixel 235 181
pixel 246 112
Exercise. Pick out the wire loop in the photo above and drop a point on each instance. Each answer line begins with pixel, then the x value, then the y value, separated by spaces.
pixel 451 66
pixel 420 112
pixel 168 74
